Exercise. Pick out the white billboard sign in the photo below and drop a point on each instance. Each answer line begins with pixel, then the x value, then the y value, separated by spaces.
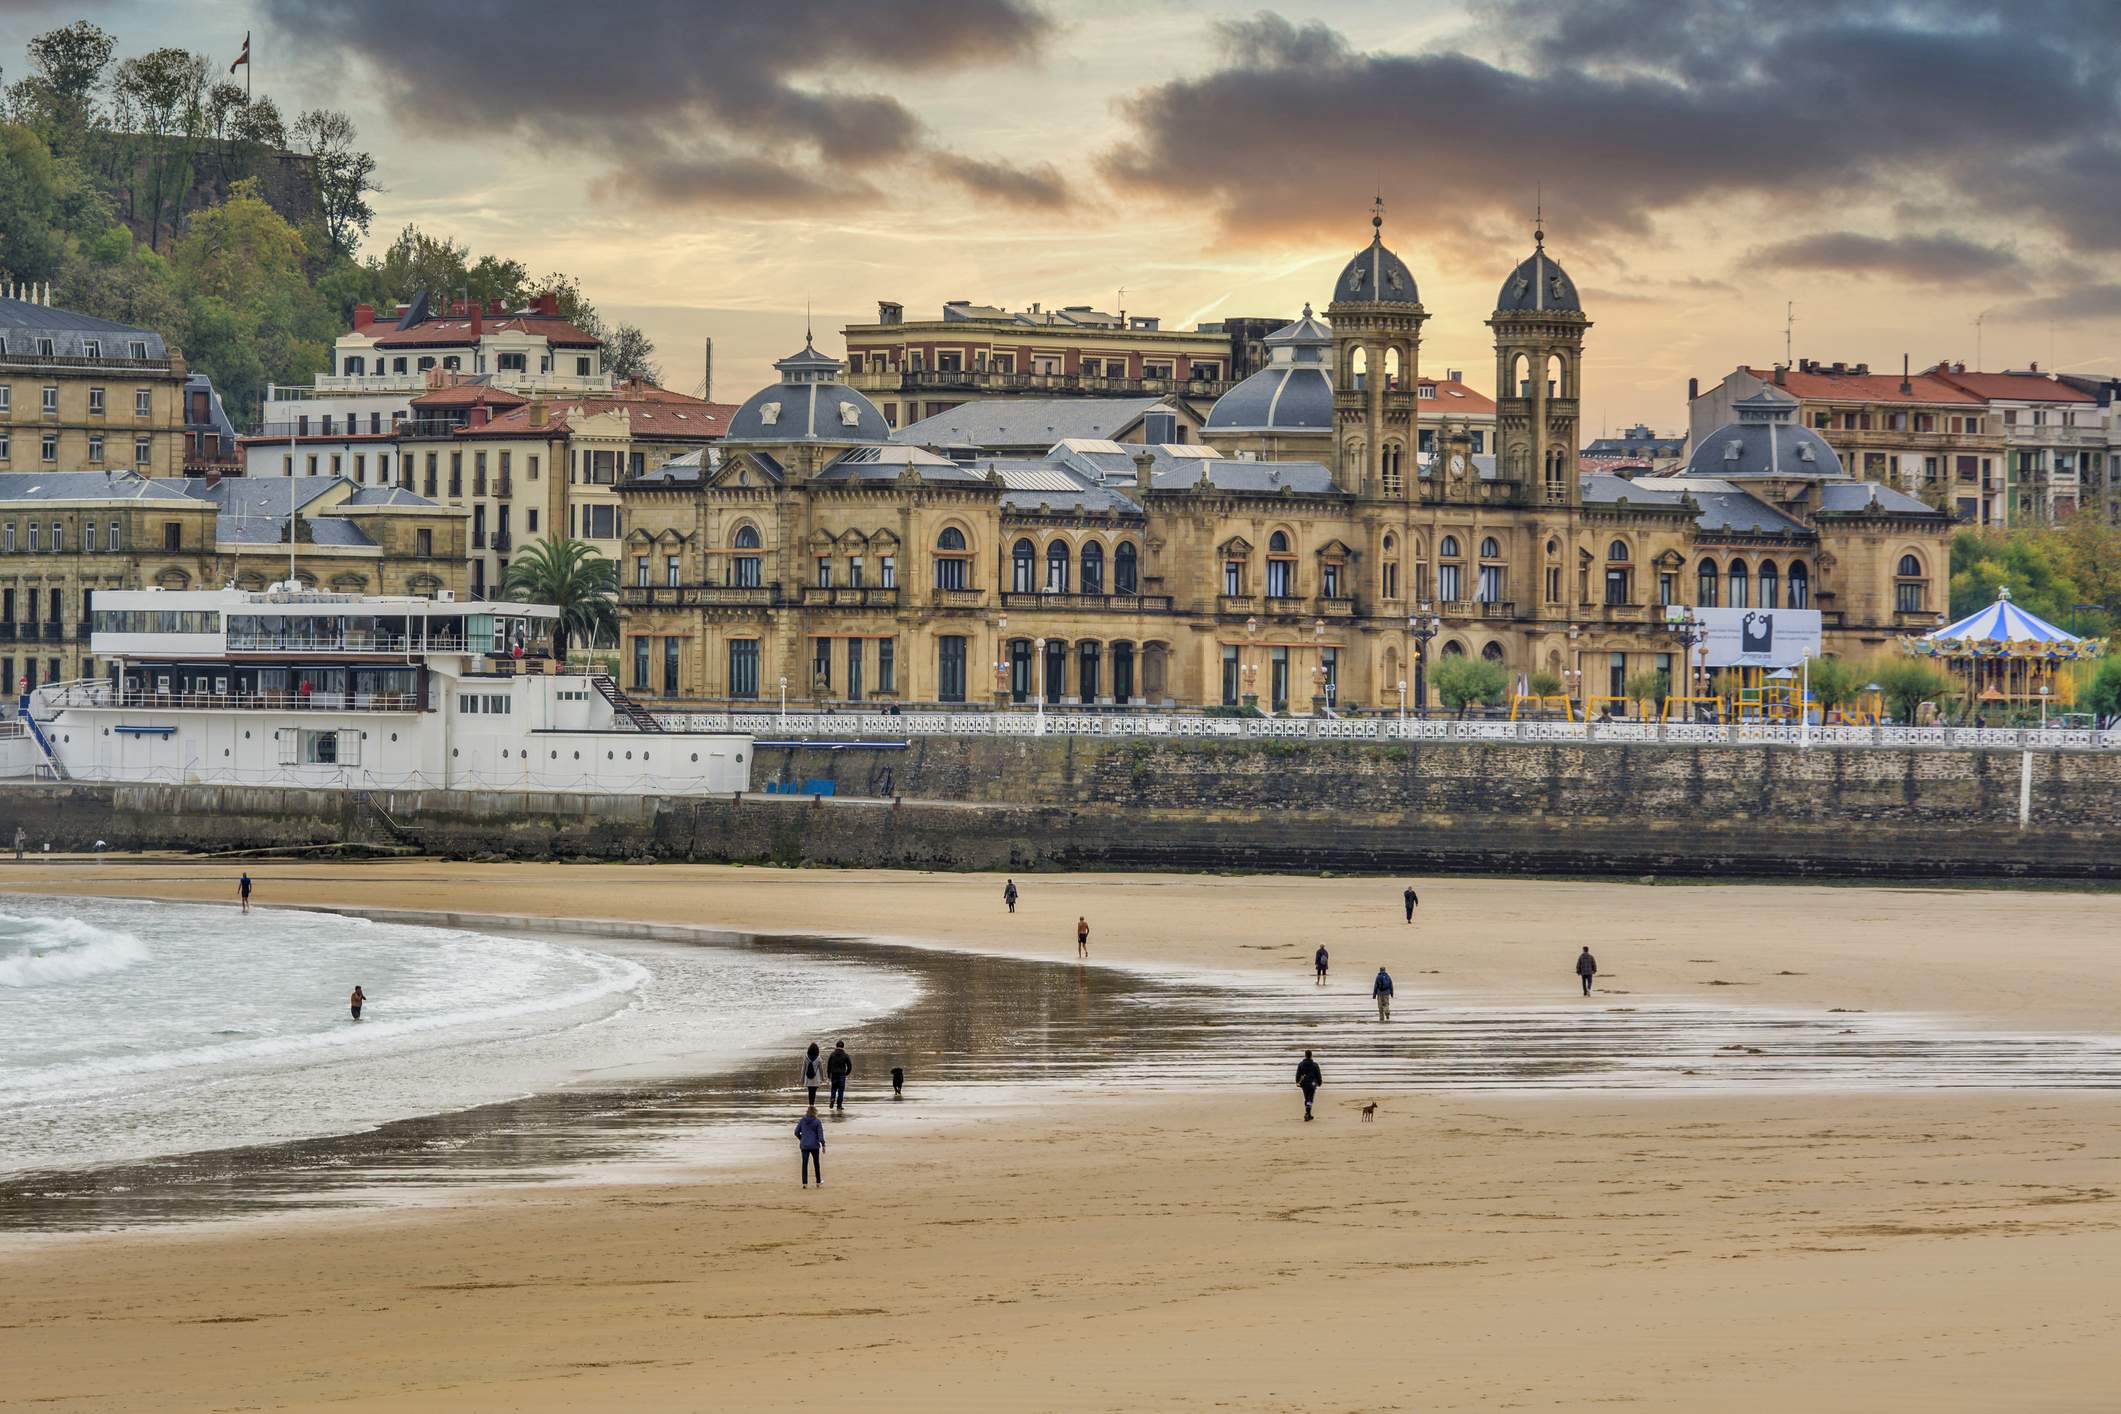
pixel 1759 638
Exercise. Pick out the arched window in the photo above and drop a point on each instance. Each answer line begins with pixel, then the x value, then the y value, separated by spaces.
pixel 744 567
pixel 1450 575
pixel 1910 590
pixel 1023 567
pixel 1490 549
pixel 1093 568
pixel 1741 596
pixel 1278 543
pixel 1618 550
pixel 1705 596
pixel 1057 567
pixel 1390 541
pixel 951 560
pixel 1454 649
pixel 1493 652
pixel 1124 569
pixel 1800 586
pixel 1770 585
pixel 1448 550
pixel 951 540
pixel 1910 567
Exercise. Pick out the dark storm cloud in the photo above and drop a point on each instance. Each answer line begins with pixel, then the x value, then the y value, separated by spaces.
pixel 736 100
pixel 1920 259
pixel 1038 188
pixel 1632 113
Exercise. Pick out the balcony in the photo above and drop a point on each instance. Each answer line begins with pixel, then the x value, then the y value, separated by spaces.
pixel 849 597
pixel 31 632
pixel 1236 604
pixel 478 540
pixel 1287 608
pixel 22 359
pixel 516 380
pixel 99 694
pixel 699 596
pixel 1496 608
pixel 1094 603
pixel 959 598
pixel 1336 608
pixel 988 381
pixel 502 540
pixel 504 488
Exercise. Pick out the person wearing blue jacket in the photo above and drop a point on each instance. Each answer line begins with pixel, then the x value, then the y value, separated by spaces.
pixel 810 1138
pixel 1381 989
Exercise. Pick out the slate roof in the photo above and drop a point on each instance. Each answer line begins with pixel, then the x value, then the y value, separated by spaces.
pixel 19 487
pixel 22 322
pixel 1858 496
pixel 1538 285
pixel 1026 422
pixel 1722 506
pixel 809 404
pixel 887 462
pixel 1375 275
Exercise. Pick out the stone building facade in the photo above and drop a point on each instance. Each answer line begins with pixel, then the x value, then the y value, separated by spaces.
pixel 81 392
pixel 811 549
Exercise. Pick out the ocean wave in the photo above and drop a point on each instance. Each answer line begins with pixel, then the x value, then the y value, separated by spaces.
pixel 37 950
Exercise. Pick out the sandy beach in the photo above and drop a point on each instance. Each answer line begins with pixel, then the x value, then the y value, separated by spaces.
pixel 1743 1250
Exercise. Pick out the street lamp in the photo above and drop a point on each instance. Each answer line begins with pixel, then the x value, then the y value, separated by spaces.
pixel 1249 669
pixel 2043 706
pixel 1576 671
pixel 1689 630
pixel 1001 662
pixel 1038 669
pixel 1421 627
pixel 1402 706
pixel 784 702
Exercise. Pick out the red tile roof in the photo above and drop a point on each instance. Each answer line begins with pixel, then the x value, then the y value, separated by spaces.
pixel 464 395
pixel 654 412
pixel 2030 387
pixel 1864 387
pixel 454 331
pixel 1455 396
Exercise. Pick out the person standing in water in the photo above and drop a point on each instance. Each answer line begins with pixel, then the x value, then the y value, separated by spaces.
pixel 810 1139
pixel 355 1001
pixel 1009 895
pixel 813 1074
pixel 1586 969
pixel 1412 901
pixel 1082 936
pixel 1381 989
pixel 1318 960
pixel 243 891
pixel 838 1066
pixel 1308 1079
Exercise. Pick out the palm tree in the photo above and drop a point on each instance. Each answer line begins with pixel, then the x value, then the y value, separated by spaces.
pixel 573 578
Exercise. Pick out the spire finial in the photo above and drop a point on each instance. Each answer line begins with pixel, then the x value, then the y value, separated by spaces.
pixel 1377 216
pixel 808 342
pixel 1539 216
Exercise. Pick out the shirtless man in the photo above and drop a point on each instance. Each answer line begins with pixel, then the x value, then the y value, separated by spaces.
pixel 355 1001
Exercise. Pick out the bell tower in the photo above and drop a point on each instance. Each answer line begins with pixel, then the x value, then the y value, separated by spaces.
pixel 1377 317
pixel 1539 327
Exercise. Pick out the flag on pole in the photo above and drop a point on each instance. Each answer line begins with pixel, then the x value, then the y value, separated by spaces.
pixel 243 59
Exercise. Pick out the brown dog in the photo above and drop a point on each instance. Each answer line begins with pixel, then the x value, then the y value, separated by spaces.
pixel 1369 1112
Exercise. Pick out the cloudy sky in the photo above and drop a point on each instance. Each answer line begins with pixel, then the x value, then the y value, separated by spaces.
pixel 712 167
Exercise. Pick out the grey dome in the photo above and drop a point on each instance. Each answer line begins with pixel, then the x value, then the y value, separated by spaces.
pixel 1293 393
pixel 1376 275
pixel 1539 285
pixel 809 404
pixel 1766 440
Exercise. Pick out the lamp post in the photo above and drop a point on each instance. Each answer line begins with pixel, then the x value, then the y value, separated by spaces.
pixel 1249 670
pixel 1576 669
pixel 1038 669
pixel 1001 662
pixel 2043 706
pixel 1421 627
pixel 784 702
pixel 1402 706
pixel 1318 669
pixel 1690 631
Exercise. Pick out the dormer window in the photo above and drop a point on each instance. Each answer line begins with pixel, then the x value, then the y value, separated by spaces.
pixel 1733 450
pixel 1805 452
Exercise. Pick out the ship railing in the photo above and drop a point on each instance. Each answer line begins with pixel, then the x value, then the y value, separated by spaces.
pixel 101 694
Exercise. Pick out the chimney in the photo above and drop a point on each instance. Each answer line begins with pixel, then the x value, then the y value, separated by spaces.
pixel 1144 467
pixel 213 477
pixel 478 319
pixel 480 414
pixel 1906 385
pixel 2034 366
pixel 547 304
pixel 1693 389
pixel 890 312
pixel 1782 375
pixel 1454 375
pixel 364 316
pixel 707 372
pixel 1959 367
pixel 540 415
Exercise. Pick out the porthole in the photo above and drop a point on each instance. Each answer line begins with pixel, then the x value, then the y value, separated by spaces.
pixel 393 736
pixel 740 758
pixel 246 736
pixel 610 756
pixel 67 736
pixel 578 756
pixel 695 756
pixel 629 756
pixel 555 755
pixel 504 753
pixel 452 751
pixel 224 751
pixel 106 731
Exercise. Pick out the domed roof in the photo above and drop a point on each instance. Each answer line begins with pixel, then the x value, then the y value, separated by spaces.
pixel 809 404
pixel 1376 275
pixel 1540 284
pixel 1766 440
pixel 1293 393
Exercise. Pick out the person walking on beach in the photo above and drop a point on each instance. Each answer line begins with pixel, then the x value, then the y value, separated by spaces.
pixel 1009 895
pixel 1381 989
pixel 1412 900
pixel 898 1082
pixel 838 1066
pixel 1308 1079
pixel 356 1000
pixel 1082 936
pixel 813 1073
pixel 243 891
pixel 21 842
pixel 1586 969
pixel 810 1139
pixel 1318 960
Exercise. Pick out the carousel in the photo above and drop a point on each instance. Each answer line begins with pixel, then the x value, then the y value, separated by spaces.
pixel 2005 655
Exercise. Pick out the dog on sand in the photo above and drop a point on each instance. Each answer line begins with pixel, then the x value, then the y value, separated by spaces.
pixel 1369 1112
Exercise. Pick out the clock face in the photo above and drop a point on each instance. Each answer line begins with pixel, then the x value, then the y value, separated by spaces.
pixel 1458 462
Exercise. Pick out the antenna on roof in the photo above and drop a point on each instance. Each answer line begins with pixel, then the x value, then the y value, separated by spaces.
pixel 1377 214
pixel 1977 339
pixel 1789 329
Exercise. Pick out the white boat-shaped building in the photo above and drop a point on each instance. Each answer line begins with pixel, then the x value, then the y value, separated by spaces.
pixel 295 687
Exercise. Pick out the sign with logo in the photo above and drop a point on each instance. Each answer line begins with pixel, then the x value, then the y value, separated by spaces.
pixel 1759 638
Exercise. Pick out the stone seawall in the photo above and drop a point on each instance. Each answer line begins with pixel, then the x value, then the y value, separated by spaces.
pixel 1075 803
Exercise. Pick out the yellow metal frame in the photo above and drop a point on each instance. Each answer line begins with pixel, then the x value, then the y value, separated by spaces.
pixel 1722 711
pixel 1518 702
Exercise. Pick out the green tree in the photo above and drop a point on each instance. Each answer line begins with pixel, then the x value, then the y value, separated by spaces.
pixel 2103 696
pixel 416 261
pixel 1835 682
pixel 1650 687
pixel 572 577
pixel 66 70
pixel 629 354
pixel 2025 562
pixel 1461 682
pixel 1907 683
pixel 1544 683
pixel 252 316
pixel 163 93
pixel 344 175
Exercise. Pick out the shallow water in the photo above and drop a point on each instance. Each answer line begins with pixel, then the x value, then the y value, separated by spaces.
pixel 988 1029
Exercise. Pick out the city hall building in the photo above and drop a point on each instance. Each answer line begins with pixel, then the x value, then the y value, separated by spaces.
pixel 1286 556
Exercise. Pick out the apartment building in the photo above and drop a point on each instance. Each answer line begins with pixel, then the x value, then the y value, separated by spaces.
pixel 2055 437
pixel 918 369
pixel 81 392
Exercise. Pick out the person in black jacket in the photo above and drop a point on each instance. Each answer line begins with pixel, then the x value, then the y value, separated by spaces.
pixel 838 1066
pixel 1318 961
pixel 1308 1079
pixel 1586 969
pixel 1410 899
pixel 813 1073
pixel 1009 894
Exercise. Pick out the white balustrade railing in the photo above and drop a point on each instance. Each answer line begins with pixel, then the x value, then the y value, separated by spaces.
pixel 772 726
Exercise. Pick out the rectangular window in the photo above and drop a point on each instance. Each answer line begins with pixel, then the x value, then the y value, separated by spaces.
pixel 117 541
pixel 743 667
pixel 670 667
pixel 10 546
pixel 1330 581
pixel 95 449
pixel 821 666
pixel 950 668
pixel 1907 596
pixel 640 664
pixel 949 574
pixel 1279 578
pixel 854 669
pixel 7 393
pixel 95 402
pixel 600 522
pixel 1447 582
pixel 360 469
pixel 824 571
pixel 1233 678
pixel 456 473
pixel 478 473
pixel 173 535
pixel 854 571
pixel 887 571
pixel 1488 589
pixel 887 665
pixel 143 451
pixel 670 571
pixel 533 466
pixel 51 400
pixel 88 536
pixel 640 571
pixel 423 543
pixel 51 446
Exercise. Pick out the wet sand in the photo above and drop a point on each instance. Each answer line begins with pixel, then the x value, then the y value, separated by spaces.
pixel 1800 1239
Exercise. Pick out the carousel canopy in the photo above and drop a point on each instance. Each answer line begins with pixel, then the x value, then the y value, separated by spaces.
pixel 2003 630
